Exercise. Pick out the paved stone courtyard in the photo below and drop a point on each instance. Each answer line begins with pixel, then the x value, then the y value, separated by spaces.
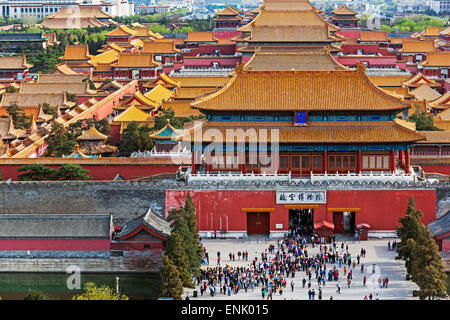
pixel 377 253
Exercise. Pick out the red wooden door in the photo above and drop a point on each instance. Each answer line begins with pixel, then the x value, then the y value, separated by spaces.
pixel 258 222
pixel 338 220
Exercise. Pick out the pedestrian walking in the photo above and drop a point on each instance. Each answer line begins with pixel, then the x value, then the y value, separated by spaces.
pixel 338 285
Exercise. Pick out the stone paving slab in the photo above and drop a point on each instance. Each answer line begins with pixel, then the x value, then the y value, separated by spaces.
pixel 376 253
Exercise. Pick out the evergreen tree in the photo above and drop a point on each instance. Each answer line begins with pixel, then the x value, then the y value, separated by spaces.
pixel 11 89
pixel 59 141
pixel 50 110
pixel 135 138
pixel 191 218
pixel 180 225
pixel 410 229
pixel 19 118
pixel 177 255
pixel 423 122
pixel 71 171
pixel 171 285
pixel 36 172
pixel 427 268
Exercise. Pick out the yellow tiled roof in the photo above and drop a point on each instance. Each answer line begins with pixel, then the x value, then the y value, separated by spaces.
pixel 92 134
pixel 122 30
pixel 293 60
pixel 315 132
pixel 159 94
pixel 344 10
pixel 109 56
pixel 300 90
pixel 159 47
pixel 418 80
pixel 135 59
pixel 437 59
pixel 418 46
pixel 424 92
pixel 373 36
pixel 201 36
pixel 74 52
pixel 132 114
pixel 182 108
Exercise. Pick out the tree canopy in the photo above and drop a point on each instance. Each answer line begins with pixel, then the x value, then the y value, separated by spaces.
pixel 40 172
pixel 92 292
pixel 171 284
pixel 135 138
pixel 423 122
pixel 420 252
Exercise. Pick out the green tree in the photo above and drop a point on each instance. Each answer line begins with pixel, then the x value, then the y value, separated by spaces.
pixel 20 119
pixel 409 230
pixel 71 97
pixel 171 285
pixel 180 225
pixel 59 141
pixel 427 268
pixel 36 172
pixel 50 110
pixel 71 171
pixel 92 292
pixel 191 219
pixel 11 89
pixel 135 138
pixel 169 114
pixel 423 122
pixel 36 295
pixel 177 255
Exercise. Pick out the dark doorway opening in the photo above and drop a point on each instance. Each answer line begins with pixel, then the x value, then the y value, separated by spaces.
pixel 344 222
pixel 302 221
pixel 349 222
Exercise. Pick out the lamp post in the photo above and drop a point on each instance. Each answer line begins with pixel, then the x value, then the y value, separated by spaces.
pixel 117 288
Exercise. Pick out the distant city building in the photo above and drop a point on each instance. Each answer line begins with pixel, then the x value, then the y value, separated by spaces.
pixel 149 9
pixel 441 6
pixel 39 9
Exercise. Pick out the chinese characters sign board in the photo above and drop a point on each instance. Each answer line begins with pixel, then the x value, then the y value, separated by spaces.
pixel 301 197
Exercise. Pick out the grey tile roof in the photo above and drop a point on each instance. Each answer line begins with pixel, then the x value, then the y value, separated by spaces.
pixel 440 226
pixel 22 37
pixel 55 226
pixel 151 220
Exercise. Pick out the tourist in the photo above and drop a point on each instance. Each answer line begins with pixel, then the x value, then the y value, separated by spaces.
pixel 389 246
pixel 364 281
pixel 338 285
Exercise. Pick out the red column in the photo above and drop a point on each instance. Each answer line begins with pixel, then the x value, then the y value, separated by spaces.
pixel 407 162
pixel 392 156
pixel 400 158
pixel 241 157
pixel 325 161
pixel 194 162
pixel 359 162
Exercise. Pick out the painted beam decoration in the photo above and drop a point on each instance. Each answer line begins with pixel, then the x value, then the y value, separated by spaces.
pixel 301 197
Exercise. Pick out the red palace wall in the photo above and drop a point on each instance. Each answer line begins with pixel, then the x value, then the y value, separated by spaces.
pixel 381 209
pixel 56 244
pixel 445 169
pixel 104 172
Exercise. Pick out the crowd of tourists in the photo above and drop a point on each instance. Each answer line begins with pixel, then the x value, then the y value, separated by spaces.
pixel 272 272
